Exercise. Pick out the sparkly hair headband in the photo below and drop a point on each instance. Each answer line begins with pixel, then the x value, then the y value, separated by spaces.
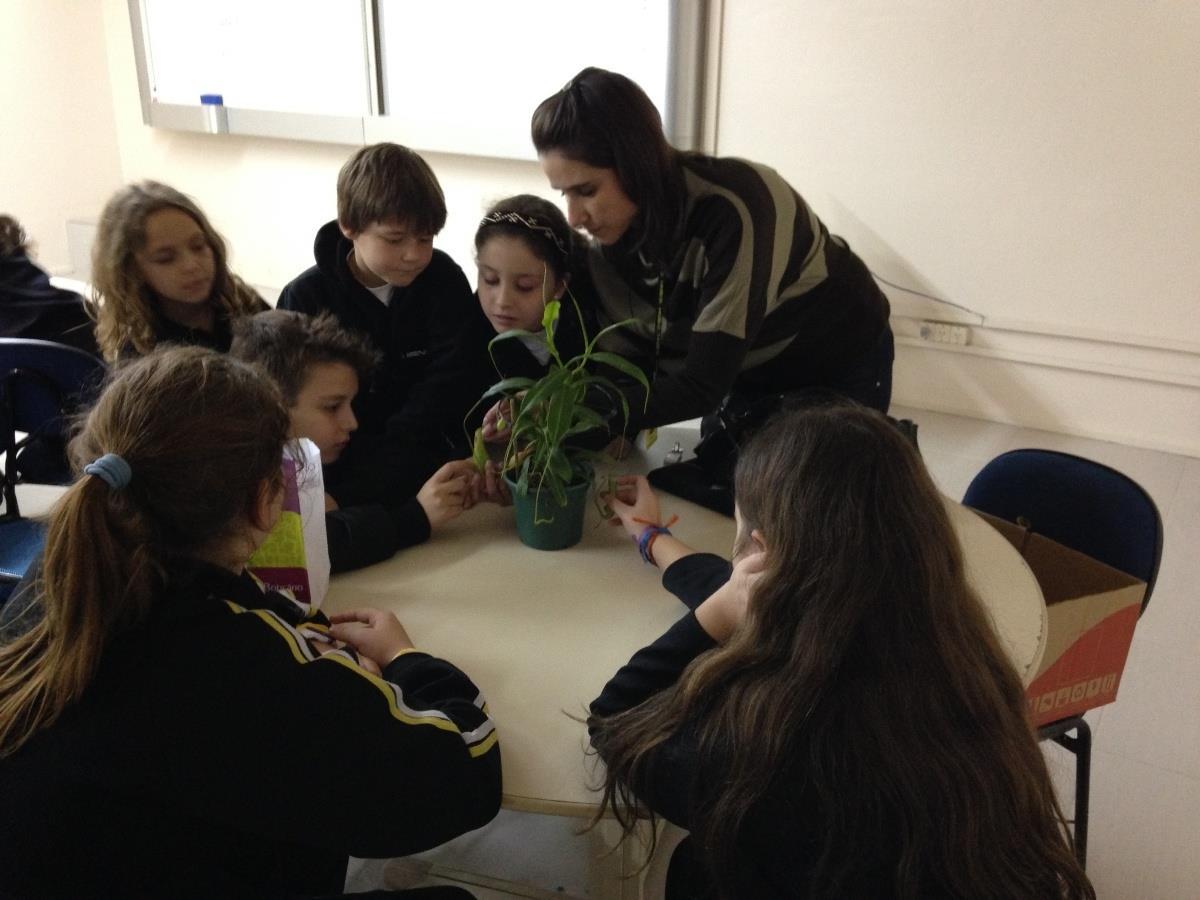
pixel 530 222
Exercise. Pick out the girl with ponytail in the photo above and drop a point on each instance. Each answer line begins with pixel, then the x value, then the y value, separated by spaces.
pixel 156 730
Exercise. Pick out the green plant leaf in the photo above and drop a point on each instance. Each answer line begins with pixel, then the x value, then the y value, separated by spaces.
pixel 589 350
pixel 560 467
pixel 508 386
pixel 539 393
pixel 621 364
pixel 547 410
pixel 601 383
pixel 479 453
pixel 514 333
pixel 550 315
pixel 586 419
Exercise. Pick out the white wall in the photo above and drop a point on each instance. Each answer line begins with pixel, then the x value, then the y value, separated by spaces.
pixel 1036 162
pixel 58 153
pixel 268 197
pixel 1033 161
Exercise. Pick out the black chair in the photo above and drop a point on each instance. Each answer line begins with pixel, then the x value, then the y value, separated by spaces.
pixel 1093 509
pixel 41 385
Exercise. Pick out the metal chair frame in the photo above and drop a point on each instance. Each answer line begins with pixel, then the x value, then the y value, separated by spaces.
pixel 35 399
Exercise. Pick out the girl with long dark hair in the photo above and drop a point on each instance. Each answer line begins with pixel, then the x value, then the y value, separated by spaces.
pixel 835 716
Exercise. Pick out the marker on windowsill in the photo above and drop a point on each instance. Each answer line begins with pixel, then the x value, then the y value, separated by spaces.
pixel 216 119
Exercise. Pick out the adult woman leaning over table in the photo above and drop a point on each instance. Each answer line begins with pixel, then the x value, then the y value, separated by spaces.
pixel 736 288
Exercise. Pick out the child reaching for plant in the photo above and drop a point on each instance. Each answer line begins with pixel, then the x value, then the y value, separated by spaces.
pixel 165 730
pixel 318 367
pixel 160 275
pixel 525 254
pixel 834 716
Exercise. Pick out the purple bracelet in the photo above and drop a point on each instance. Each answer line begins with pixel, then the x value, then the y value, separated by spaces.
pixel 646 539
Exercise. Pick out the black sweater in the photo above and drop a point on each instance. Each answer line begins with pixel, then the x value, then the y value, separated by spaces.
pixel 31 307
pixel 369 533
pixel 215 754
pixel 417 333
pixel 375 483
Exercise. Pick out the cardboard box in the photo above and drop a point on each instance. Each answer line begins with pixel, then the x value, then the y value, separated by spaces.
pixel 1091 610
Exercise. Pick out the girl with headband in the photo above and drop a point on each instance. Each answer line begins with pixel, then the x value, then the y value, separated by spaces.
pixel 525 254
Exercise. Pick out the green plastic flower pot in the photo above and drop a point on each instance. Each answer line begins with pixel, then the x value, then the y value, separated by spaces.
pixel 565 526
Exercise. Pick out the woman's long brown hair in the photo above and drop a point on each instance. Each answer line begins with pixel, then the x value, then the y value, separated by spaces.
pixel 866 668
pixel 201 433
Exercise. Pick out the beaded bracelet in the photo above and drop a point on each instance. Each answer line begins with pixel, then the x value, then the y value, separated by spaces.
pixel 645 540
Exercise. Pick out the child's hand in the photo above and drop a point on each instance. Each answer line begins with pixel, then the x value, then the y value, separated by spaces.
pixel 374 634
pixel 497 422
pixel 448 492
pixel 634 499
pixel 721 613
pixel 620 447
pixel 330 503
pixel 493 487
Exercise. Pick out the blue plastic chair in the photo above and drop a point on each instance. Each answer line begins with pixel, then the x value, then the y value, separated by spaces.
pixel 41 386
pixel 20 542
pixel 1088 507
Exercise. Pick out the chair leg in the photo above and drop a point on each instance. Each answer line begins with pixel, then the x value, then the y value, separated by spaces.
pixel 1081 747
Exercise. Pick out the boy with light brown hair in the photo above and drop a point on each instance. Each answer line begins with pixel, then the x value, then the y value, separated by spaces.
pixel 378 273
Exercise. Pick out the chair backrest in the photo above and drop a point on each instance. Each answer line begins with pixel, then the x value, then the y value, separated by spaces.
pixel 1077 502
pixel 41 385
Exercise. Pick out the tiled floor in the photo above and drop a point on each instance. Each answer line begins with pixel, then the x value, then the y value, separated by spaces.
pixel 1145 817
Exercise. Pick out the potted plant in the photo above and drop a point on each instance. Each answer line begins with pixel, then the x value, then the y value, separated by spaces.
pixel 548 475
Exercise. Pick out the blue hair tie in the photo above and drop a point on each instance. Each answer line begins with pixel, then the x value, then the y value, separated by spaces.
pixel 112 469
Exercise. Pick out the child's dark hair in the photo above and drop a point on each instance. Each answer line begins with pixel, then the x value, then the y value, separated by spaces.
pixel 13 240
pixel 386 183
pixel 288 344
pixel 536 222
pixel 605 120
pixel 202 435
pixel 867 666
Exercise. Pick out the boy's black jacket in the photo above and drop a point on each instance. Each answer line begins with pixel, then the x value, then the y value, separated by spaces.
pixel 417 333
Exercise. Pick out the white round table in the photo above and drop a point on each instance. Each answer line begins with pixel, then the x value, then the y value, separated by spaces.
pixel 541 632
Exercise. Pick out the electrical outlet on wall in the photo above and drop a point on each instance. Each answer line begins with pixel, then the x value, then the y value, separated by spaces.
pixel 945 333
